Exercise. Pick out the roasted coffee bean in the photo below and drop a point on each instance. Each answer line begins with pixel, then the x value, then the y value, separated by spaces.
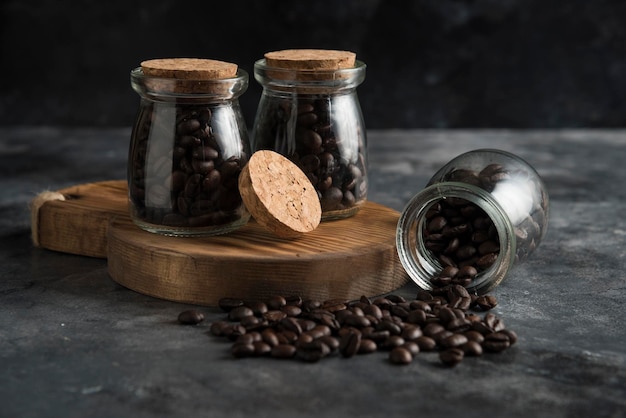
pixel 412 346
pixel 274 316
pixel 191 317
pixel 474 336
pixel 511 334
pixel 454 340
pixel 349 343
pixel 228 304
pixel 451 356
pixel 400 355
pixel 233 331
pixel 410 333
pixel 242 350
pixel 283 351
pixel 276 302
pixel 496 341
pixel 486 302
pixel 332 342
pixel 218 327
pixel 236 314
pixel 472 348
pixel 261 348
pixel 426 343
pixel 258 307
pixel 312 351
pixel 367 346
pixel 291 310
pixel 269 336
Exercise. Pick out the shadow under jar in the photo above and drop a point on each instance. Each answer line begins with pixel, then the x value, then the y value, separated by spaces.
pixel 188 146
pixel 313 117
pixel 479 216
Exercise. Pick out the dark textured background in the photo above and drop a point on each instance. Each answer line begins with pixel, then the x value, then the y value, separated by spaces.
pixel 431 63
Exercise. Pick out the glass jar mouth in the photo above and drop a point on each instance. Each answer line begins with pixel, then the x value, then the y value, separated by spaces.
pixel 310 79
pixel 173 89
pixel 420 263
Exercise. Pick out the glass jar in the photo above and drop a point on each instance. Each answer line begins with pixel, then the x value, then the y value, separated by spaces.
pixel 480 215
pixel 313 117
pixel 188 146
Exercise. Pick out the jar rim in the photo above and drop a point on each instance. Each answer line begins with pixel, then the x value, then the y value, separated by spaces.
pixel 167 88
pixel 309 78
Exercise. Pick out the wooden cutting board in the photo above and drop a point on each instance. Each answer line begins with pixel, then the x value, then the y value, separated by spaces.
pixel 346 258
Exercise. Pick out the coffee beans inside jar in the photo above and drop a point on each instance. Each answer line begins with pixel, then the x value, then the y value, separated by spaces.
pixel 446 320
pixel 309 112
pixel 480 215
pixel 188 146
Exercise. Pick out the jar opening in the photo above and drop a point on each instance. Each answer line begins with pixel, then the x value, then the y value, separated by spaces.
pixel 177 90
pixel 309 80
pixel 435 231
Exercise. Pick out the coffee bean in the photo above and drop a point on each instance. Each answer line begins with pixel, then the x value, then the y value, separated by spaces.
pixel 242 350
pixel 349 343
pixel 400 355
pixel 472 348
pixel 283 351
pixel 236 314
pixel 486 302
pixel 454 340
pixel 367 346
pixel 451 356
pixel 261 348
pixel 217 328
pixel 496 341
pixel 191 317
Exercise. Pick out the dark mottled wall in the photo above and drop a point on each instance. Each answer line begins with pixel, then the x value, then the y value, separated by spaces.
pixel 431 63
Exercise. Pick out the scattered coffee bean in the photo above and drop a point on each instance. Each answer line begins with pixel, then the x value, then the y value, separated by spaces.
pixel 191 317
pixel 451 356
pixel 400 355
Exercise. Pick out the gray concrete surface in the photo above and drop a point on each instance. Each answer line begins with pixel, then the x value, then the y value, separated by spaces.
pixel 75 344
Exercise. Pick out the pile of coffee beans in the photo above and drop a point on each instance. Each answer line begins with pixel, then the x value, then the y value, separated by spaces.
pixel 332 159
pixel 180 174
pixel 446 320
pixel 462 238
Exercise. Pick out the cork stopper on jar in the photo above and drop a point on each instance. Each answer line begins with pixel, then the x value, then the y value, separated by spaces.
pixel 279 195
pixel 188 75
pixel 310 59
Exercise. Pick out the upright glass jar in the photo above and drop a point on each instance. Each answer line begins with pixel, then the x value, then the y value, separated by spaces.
pixel 310 113
pixel 479 216
pixel 188 146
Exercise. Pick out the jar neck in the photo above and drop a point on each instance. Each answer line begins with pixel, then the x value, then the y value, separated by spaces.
pixel 160 89
pixel 309 81
pixel 422 266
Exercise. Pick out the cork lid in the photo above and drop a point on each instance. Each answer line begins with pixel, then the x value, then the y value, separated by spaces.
pixel 189 76
pixel 310 59
pixel 279 195
pixel 189 68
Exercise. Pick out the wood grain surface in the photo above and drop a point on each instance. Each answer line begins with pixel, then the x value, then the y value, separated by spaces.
pixel 346 258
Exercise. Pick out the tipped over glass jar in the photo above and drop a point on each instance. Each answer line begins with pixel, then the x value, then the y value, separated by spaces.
pixel 480 215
